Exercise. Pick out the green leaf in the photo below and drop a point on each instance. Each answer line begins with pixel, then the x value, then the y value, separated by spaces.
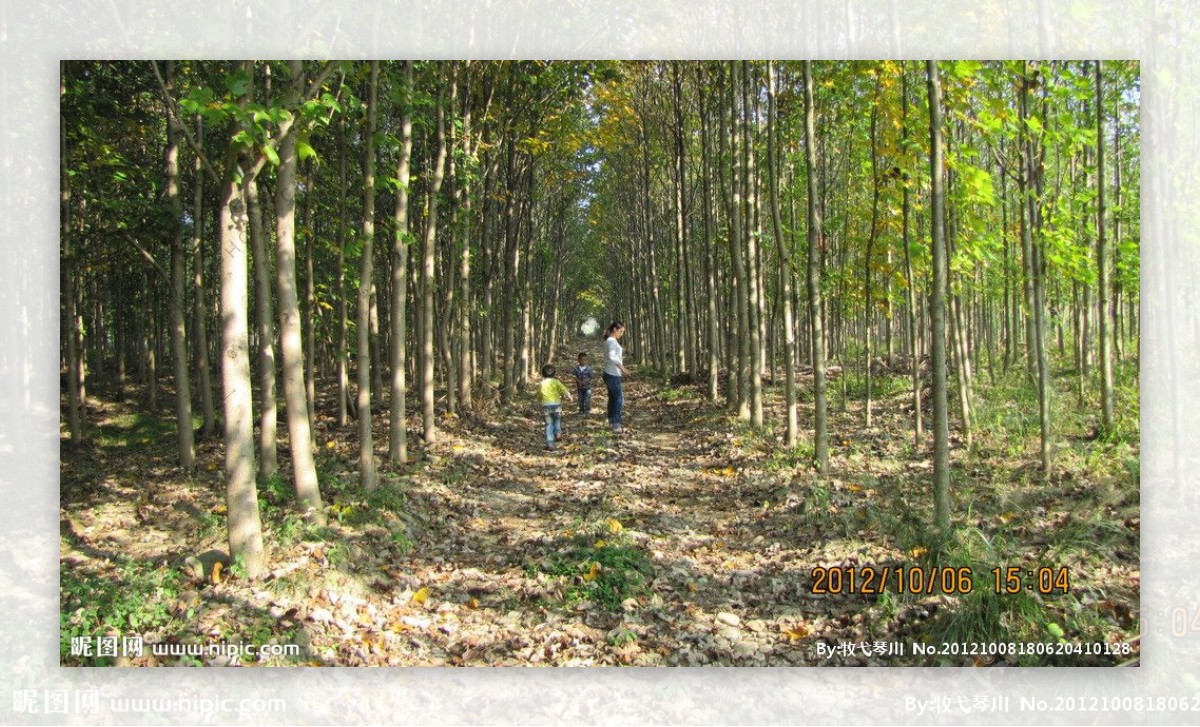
pixel 238 84
pixel 304 150
pixel 1055 630
pixel 271 154
pixel 242 138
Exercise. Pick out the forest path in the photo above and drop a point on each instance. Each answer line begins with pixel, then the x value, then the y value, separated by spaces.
pixel 654 547
pixel 690 540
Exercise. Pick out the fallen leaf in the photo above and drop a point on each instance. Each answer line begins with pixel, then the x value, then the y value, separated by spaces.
pixel 614 526
pixel 797 632
pixel 592 574
pixel 216 574
pixel 420 595
pixel 918 551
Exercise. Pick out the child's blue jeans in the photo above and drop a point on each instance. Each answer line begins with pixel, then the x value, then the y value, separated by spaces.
pixel 553 422
pixel 585 400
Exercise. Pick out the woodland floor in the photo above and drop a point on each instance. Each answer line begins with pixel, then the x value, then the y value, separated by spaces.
pixel 691 540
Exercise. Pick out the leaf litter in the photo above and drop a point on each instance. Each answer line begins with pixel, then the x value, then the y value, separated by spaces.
pixel 681 543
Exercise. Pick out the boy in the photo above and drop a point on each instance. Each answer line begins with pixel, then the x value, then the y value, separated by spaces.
pixel 552 391
pixel 583 384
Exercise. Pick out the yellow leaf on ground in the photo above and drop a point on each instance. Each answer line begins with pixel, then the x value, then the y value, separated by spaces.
pixel 330 444
pixel 421 595
pixel 216 574
pixel 599 544
pixel 592 574
pixel 614 526
pixel 854 488
pixel 918 551
pixel 799 631
pixel 473 603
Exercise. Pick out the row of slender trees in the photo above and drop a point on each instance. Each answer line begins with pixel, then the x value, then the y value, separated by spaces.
pixel 956 212
pixel 443 226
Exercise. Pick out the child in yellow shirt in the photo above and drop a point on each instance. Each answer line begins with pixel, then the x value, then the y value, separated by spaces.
pixel 552 392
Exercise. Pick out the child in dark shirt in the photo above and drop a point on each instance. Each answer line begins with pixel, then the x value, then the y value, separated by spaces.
pixel 583 384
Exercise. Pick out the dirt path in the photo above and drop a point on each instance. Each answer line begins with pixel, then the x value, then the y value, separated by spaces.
pixel 686 541
pixel 719 581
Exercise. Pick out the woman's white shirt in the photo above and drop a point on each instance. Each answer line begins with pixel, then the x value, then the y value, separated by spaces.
pixel 612 356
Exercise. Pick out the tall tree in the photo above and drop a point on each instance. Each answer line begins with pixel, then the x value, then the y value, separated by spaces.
pixel 199 329
pixel 785 263
pixel 398 436
pixel 268 462
pixel 820 413
pixel 304 470
pixel 914 338
pixel 427 276
pixel 1102 254
pixel 245 525
pixel 367 476
pixel 183 395
pixel 937 305
pixel 69 268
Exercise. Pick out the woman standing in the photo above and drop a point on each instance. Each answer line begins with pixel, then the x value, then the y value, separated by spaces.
pixel 614 372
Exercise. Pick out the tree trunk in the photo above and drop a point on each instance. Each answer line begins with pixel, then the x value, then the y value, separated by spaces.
pixel 304 471
pixel 820 435
pixel 710 264
pixel 343 364
pixel 1031 177
pixel 241 495
pixel 941 424
pixel 398 437
pixel 427 279
pixel 199 330
pixel 785 264
pixel 753 269
pixel 268 463
pixel 368 478
pixel 70 328
pixel 183 396
pixel 309 313
pixel 1106 369
pixel 465 308
pixel 867 263
pixel 914 339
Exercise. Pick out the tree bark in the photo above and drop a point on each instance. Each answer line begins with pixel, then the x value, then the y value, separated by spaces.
pixel 199 330
pixel 941 424
pixel 368 478
pixel 785 264
pixel 71 329
pixel 183 395
pixel 268 463
pixel 820 433
pixel 241 494
pixel 398 437
pixel 428 281
pixel 304 471
pixel 1106 369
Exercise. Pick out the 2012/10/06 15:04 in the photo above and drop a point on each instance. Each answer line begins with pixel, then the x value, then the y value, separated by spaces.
pixel 871 580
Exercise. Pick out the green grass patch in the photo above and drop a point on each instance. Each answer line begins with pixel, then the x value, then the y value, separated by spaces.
pixel 132 602
pixel 604 571
pixel 135 429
